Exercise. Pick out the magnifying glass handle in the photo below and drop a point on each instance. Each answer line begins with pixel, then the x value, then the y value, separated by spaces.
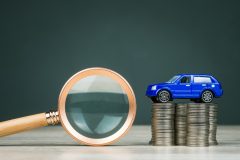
pixel 29 122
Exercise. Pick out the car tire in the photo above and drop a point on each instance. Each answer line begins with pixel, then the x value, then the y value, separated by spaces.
pixel 163 96
pixel 207 96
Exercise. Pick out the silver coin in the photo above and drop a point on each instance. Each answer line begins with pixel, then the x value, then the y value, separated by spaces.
pixel 193 124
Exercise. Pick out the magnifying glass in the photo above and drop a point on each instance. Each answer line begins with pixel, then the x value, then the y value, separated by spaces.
pixel 96 106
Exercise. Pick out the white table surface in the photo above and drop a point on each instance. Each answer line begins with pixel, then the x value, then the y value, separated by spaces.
pixel 54 143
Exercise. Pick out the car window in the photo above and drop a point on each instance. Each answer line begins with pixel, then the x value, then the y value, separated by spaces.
pixel 202 80
pixel 185 79
pixel 173 79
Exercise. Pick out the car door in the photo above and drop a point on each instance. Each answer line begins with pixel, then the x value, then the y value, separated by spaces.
pixel 199 84
pixel 183 87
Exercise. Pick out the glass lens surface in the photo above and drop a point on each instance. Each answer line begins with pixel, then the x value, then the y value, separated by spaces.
pixel 97 106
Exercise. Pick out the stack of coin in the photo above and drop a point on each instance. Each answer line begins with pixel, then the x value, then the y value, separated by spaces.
pixel 198 124
pixel 212 124
pixel 181 124
pixel 163 124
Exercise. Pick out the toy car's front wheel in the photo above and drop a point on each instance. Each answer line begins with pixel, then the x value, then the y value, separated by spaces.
pixel 207 96
pixel 163 96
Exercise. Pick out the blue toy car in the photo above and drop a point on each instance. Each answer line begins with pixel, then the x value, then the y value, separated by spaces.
pixel 197 87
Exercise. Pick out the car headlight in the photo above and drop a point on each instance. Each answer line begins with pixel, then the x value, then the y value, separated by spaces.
pixel 154 87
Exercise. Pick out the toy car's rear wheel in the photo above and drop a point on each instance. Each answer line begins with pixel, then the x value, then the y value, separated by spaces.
pixel 163 96
pixel 207 96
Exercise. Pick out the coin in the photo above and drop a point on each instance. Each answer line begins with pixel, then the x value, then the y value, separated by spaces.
pixel 197 125
pixel 162 121
pixel 192 124
pixel 181 124
pixel 213 123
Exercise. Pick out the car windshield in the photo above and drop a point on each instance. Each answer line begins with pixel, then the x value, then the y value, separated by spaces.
pixel 173 79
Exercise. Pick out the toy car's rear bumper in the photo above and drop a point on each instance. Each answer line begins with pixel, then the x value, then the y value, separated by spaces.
pixel 218 93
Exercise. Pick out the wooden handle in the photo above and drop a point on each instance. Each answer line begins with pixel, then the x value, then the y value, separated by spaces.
pixel 22 124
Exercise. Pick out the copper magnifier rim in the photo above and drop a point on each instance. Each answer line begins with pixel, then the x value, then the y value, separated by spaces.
pixel 125 87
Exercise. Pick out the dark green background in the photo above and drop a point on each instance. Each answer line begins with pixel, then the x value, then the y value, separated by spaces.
pixel 43 43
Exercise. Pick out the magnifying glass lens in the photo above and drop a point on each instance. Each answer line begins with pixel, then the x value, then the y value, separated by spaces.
pixel 96 106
